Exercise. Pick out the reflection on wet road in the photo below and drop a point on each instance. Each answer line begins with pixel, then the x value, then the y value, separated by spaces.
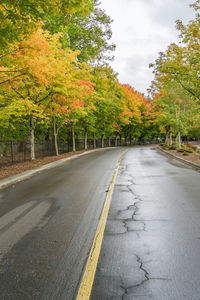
pixel 47 224
pixel 151 245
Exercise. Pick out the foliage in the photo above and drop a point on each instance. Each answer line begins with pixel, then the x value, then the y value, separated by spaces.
pixel 175 88
pixel 54 76
pixel 19 18
pixel 88 33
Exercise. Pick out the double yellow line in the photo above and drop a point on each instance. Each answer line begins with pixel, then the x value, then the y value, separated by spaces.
pixel 85 288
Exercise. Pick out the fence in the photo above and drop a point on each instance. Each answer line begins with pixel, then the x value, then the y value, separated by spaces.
pixel 13 152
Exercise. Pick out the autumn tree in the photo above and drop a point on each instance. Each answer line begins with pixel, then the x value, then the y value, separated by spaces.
pixel 177 80
pixel 20 18
pixel 137 112
pixel 176 112
pixel 180 63
pixel 47 74
pixel 109 106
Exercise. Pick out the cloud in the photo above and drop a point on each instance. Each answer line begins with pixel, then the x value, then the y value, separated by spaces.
pixel 167 12
pixel 135 70
pixel 141 29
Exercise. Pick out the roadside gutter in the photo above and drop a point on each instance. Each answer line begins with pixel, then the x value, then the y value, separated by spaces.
pixel 191 164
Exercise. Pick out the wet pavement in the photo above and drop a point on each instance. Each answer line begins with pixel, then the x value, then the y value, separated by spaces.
pixel 151 246
pixel 47 225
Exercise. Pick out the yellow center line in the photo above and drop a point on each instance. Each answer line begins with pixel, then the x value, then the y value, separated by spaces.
pixel 85 288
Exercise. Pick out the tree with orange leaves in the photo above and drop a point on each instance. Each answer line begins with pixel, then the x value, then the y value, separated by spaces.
pixel 48 77
pixel 134 110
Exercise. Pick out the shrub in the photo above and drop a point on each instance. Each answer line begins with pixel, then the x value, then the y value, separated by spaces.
pixel 163 145
pixel 189 150
pixel 185 153
pixel 172 147
pixel 192 147
pixel 180 150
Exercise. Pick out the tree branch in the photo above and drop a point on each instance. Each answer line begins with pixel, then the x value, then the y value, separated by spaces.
pixel 187 89
pixel 11 79
pixel 16 71
pixel 17 92
pixel 44 97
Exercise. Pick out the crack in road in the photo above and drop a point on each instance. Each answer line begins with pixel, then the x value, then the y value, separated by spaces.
pixel 133 219
pixel 146 278
pixel 128 225
pixel 135 208
pixel 152 217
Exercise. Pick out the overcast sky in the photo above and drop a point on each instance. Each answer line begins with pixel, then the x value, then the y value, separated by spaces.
pixel 141 29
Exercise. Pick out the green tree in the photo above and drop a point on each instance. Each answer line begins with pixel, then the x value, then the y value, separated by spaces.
pixel 20 17
pixel 89 33
pixel 181 63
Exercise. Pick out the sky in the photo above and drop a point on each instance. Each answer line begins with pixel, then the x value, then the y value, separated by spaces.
pixel 141 29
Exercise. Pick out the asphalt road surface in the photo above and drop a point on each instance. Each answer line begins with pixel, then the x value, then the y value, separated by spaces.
pixel 151 247
pixel 47 224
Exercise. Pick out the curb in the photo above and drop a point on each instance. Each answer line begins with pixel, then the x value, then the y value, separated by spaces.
pixel 29 173
pixel 193 165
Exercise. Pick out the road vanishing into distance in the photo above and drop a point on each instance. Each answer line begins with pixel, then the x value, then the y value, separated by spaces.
pixel 151 245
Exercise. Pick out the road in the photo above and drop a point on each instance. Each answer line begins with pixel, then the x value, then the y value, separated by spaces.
pixel 151 244
pixel 47 224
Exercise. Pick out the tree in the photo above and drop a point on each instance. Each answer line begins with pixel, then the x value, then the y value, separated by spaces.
pixel 175 88
pixel 21 17
pixel 181 63
pixel 47 74
pixel 109 106
pixel 136 112
pixel 176 112
pixel 90 34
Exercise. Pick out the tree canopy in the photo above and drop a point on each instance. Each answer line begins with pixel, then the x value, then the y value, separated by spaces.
pixel 176 87
pixel 54 75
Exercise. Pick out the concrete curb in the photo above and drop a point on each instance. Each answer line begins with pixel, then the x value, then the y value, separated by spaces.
pixel 29 173
pixel 193 165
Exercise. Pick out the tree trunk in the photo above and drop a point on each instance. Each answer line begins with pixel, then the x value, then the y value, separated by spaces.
pixel 73 139
pixel 102 141
pixel 109 142
pixel 170 136
pixel 116 141
pixel 167 138
pixel 179 139
pixel 55 136
pixel 130 139
pixel 94 141
pixel 32 138
pixel 120 139
pixel 85 138
pixel 11 150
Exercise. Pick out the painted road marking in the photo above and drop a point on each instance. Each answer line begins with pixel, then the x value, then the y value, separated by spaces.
pixel 86 285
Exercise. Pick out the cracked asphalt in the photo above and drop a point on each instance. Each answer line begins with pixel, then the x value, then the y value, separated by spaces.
pixel 151 246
